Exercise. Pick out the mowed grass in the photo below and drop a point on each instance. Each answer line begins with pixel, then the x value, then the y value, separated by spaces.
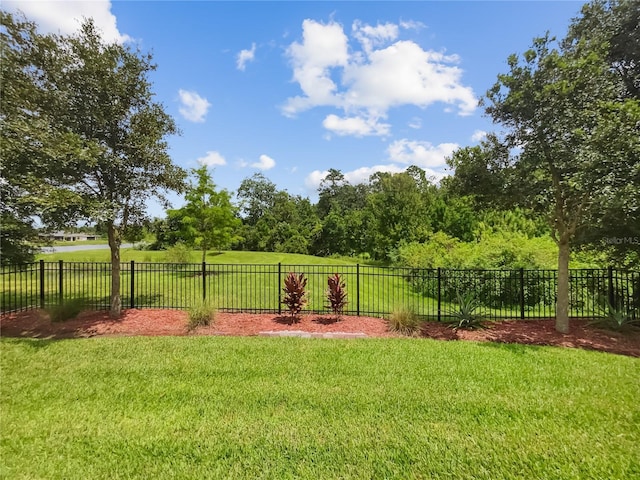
pixel 226 257
pixel 224 407
pixel 234 281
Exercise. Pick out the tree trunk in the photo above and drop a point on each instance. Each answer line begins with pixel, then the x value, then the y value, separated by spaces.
pixel 562 302
pixel 204 255
pixel 114 245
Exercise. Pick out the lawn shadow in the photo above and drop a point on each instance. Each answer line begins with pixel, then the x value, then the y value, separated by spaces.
pixel 36 343
pixel 516 348
pixel 144 301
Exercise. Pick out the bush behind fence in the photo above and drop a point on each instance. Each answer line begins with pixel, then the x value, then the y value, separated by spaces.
pixel 372 290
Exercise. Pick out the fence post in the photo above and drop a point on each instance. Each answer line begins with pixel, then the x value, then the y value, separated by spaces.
pixel 610 293
pixel 358 289
pixel 439 296
pixel 132 302
pixel 41 283
pixel 60 281
pixel 204 281
pixel 521 293
pixel 279 282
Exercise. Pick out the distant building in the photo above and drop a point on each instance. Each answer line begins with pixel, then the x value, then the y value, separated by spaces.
pixel 69 237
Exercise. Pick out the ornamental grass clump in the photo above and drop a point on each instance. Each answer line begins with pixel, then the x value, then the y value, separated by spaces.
pixel 404 321
pixel 336 294
pixel 66 310
pixel 295 294
pixel 201 314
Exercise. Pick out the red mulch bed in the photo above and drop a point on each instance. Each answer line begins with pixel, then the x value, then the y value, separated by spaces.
pixel 36 324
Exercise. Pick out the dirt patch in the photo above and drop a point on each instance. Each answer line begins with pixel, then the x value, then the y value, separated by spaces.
pixel 36 324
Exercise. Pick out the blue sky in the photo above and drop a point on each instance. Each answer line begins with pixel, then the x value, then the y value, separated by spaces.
pixel 291 89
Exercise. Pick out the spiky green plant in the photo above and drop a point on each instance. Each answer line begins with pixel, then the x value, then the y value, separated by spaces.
pixel 613 317
pixel 465 316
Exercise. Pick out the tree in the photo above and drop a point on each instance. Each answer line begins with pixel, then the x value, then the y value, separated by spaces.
pixel 340 209
pixel 103 152
pixel 396 213
pixel 572 137
pixel 209 219
pixel 275 221
pixel 25 128
pixel 257 197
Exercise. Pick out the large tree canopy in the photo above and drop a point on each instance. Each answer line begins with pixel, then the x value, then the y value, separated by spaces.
pixel 573 137
pixel 85 133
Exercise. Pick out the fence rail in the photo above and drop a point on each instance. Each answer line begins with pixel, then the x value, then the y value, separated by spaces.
pixel 372 290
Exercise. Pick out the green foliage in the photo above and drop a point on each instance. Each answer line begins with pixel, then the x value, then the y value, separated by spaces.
pixel 336 294
pixel 84 136
pixel 295 295
pixel 67 310
pixel 616 318
pixel 396 212
pixel 275 221
pixel 202 313
pixel 404 321
pixel 465 316
pixel 503 250
pixel 208 219
pixel 571 148
pixel 179 253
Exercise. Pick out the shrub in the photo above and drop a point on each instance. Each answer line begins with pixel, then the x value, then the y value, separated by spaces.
pixel 465 316
pixel 179 253
pixel 295 293
pixel 67 310
pixel 336 294
pixel 404 321
pixel 615 318
pixel 202 313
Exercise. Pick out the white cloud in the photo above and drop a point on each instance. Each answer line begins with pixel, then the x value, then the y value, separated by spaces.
pixel 323 47
pixel 66 16
pixel 422 154
pixel 366 84
pixel 371 37
pixel 246 56
pixel 356 126
pixel 194 107
pixel 354 177
pixel 478 135
pixel 265 163
pixel 412 25
pixel 415 123
pixel 211 159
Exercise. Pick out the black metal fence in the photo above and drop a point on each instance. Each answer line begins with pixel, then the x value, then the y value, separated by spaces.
pixel 372 290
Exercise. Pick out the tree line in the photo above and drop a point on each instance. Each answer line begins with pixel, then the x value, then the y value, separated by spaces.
pixel 83 138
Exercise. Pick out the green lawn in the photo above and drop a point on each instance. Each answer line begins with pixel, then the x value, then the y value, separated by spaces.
pixel 224 407
pixel 230 282
pixel 226 257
